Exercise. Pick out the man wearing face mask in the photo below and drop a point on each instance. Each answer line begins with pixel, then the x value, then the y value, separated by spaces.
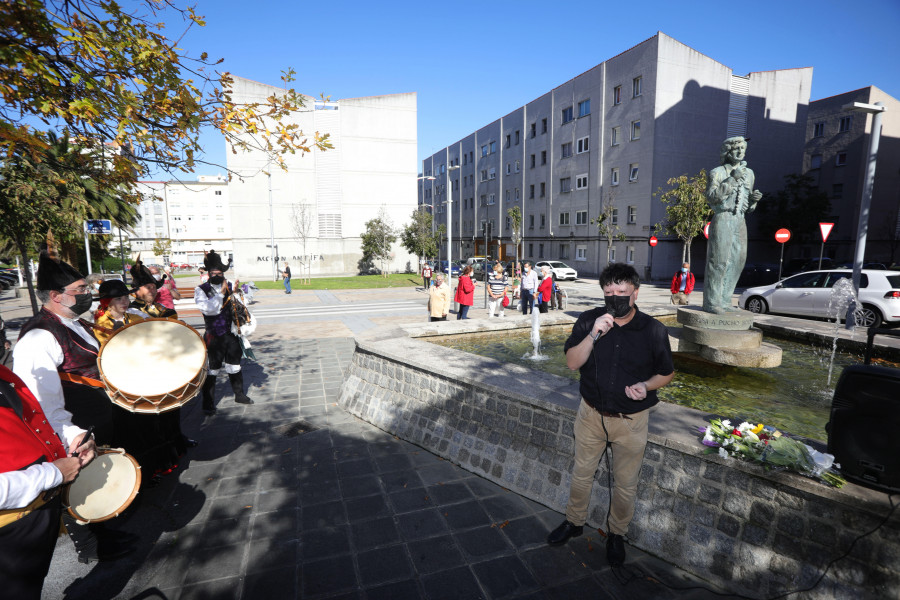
pixel 623 356
pixel 528 289
pixel 223 345
pixel 682 285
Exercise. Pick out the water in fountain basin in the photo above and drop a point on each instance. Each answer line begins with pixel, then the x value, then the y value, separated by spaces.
pixel 535 337
pixel 842 295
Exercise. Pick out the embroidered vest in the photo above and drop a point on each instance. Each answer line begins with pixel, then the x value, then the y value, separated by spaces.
pixel 219 324
pixel 26 437
pixel 79 357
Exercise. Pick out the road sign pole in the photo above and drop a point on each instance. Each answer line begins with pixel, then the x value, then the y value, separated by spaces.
pixel 781 262
pixel 87 248
pixel 821 253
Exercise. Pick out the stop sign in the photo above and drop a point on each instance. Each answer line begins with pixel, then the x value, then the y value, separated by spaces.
pixel 706 229
pixel 782 235
pixel 653 241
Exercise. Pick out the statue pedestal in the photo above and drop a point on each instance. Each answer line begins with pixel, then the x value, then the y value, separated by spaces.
pixel 728 339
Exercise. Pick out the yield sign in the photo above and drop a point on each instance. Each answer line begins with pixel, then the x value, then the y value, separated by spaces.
pixel 826 229
pixel 782 235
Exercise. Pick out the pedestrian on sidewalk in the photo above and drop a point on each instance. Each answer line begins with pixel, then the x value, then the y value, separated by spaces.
pixel 623 356
pixel 545 290
pixel 498 286
pixel 682 284
pixel 286 273
pixel 528 288
pixel 426 276
pixel 439 299
pixel 167 293
pixel 465 293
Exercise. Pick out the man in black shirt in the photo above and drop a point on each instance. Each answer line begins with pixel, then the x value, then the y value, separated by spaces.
pixel 623 356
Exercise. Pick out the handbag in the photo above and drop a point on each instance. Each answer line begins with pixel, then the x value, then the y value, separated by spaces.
pixel 505 302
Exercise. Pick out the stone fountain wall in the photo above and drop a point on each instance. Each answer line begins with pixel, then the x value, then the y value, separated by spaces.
pixel 747 530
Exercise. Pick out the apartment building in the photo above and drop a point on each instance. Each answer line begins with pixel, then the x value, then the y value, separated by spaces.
pixel 612 136
pixel 836 156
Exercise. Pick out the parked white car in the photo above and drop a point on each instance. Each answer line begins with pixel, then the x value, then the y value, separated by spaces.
pixel 809 294
pixel 561 270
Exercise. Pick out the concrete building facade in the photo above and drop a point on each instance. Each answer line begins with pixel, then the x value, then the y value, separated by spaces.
pixel 613 135
pixel 836 155
pixel 314 213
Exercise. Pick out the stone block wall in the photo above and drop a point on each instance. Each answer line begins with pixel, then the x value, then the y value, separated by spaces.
pixel 750 531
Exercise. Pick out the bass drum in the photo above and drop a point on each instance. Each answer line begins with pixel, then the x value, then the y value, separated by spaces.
pixel 153 366
pixel 104 488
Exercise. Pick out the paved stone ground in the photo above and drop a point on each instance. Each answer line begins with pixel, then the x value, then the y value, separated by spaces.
pixel 345 511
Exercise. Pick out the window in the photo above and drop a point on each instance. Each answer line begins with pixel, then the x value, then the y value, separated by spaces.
pixel 530 250
pixel 581 182
pixel 617 95
pixel 581 217
pixel 531 191
pixel 533 129
pixel 443 169
pixel 543 189
pixel 493 147
pixel 492 198
pixel 584 108
pixel 532 161
pixel 841 159
pixel 612 254
pixel 636 87
pixel 819 129
pixel 471 157
pixel 580 253
pixel 218 192
pixel 614 216
pixel 616 134
pixel 484 150
pixel 543 221
pixel 220 230
pixel 582 145
pixel 629 255
pixel 837 190
pixel 540 251
pixel 565 185
pixel 633 172
pixel 508 168
pixel 566 150
pixel 508 140
pixel 517 194
pixel 484 199
pixel 635 130
pixel 507 196
pixel 614 177
pixel 632 215
pixel 846 123
pixel 492 173
pixel 530 221
pixel 465 159
pixel 563 218
pixel 815 161
pixel 567 115
pixel 543 157
pixel 518 166
pixel 563 251
pixel 508 223
pixel 543 126
pixel 517 137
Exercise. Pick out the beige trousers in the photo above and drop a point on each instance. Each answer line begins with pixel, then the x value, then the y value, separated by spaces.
pixel 680 298
pixel 628 438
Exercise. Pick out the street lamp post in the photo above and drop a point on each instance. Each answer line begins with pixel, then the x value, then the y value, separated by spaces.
pixel 450 228
pixel 423 179
pixel 877 112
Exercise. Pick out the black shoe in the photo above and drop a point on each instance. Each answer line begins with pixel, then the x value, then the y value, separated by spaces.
pixel 237 386
pixel 615 550
pixel 561 534
pixel 107 549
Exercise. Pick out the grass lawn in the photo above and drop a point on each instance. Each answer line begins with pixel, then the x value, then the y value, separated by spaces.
pixel 358 282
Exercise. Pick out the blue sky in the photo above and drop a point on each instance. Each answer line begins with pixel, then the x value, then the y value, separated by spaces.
pixel 471 62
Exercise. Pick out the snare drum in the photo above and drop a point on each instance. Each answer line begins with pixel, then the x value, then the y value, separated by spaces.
pixel 104 488
pixel 153 366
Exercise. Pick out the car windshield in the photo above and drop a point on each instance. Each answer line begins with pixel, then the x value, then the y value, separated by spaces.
pixel 558 265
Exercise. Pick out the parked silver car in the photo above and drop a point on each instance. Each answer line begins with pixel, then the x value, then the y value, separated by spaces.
pixel 809 295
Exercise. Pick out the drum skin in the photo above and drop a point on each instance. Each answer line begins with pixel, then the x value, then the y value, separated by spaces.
pixel 153 366
pixel 104 488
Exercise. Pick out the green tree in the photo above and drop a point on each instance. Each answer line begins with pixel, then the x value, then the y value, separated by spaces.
pixel 607 223
pixel 162 246
pixel 515 217
pixel 417 236
pixel 687 210
pixel 378 239
pixel 301 226
pixel 109 74
pixel 799 206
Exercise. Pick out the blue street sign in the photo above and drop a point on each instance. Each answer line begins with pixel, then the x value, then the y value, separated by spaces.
pixel 103 226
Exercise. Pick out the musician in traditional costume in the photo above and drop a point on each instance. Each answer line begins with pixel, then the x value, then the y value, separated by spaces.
pixel 215 300
pixel 113 312
pixel 146 292
pixel 34 462
pixel 56 358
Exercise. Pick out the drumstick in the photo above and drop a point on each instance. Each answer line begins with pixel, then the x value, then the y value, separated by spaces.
pixel 87 436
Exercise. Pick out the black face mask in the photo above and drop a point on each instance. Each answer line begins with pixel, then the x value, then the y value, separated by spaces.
pixel 617 306
pixel 82 303
pixel 217 279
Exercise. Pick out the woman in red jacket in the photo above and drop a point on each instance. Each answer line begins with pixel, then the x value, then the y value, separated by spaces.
pixel 545 289
pixel 465 293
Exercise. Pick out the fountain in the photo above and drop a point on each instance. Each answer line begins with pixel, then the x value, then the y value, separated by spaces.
pixel 842 294
pixel 535 338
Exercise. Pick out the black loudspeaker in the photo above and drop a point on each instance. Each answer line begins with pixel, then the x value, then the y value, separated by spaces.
pixel 864 430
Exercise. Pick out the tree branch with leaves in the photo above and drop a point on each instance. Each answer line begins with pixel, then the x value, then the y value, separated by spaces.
pixel 607 223
pixel 301 225
pixel 377 240
pixel 687 209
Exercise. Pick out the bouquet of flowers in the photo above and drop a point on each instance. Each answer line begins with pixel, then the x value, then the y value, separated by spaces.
pixel 771 448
